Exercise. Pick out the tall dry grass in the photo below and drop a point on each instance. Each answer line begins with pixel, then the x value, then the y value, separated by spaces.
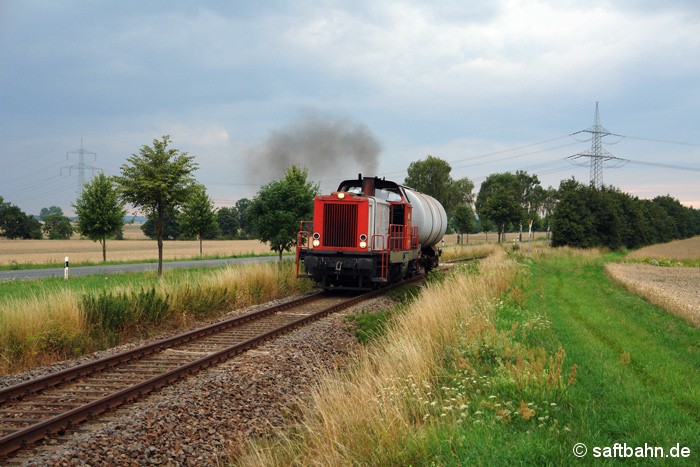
pixel 361 416
pixel 50 327
pixel 39 330
pixel 453 252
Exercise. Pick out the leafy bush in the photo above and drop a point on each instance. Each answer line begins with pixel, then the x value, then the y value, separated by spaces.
pixel 370 325
pixel 108 314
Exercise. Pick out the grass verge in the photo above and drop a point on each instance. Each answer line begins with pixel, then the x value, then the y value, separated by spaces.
pixel 16 266
pixel 513 364
pixel 54 319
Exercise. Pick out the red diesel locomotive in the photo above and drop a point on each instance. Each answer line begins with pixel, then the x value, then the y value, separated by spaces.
pixel 369 232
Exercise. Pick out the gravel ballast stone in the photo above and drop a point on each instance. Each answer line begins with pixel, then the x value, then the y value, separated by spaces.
pixel 203 418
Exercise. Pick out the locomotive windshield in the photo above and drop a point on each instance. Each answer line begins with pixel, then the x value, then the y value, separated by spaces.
pixel 382 189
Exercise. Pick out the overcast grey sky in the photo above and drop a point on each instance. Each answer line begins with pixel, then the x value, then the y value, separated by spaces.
pixel 348 86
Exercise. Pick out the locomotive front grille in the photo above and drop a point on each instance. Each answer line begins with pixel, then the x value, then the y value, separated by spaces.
pixel 340 225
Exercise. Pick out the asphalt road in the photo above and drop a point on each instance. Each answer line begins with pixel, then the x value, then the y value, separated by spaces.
pixel 23 274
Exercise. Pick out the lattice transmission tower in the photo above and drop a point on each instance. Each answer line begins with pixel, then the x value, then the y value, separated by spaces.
pixel 81 166
pixel 597 154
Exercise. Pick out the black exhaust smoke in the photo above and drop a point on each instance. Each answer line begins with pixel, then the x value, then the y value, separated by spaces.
pixel 327 146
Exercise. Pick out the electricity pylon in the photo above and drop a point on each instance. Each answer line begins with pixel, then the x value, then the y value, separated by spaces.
pixel 597 154
pixel 81 166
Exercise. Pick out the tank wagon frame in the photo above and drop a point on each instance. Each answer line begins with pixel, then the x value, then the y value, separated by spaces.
pixel 369 232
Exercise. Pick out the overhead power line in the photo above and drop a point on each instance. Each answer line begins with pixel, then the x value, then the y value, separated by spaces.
pixel 597 154
pixel 665 141
pixel 664 166
pixel 81 166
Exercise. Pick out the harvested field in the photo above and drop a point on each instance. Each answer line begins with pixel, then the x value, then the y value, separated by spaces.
pixel 54 251
pixel 136 246
pixel 678 250
pixel 676 289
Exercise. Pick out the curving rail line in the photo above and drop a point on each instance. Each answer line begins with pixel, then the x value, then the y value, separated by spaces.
pixel 39 408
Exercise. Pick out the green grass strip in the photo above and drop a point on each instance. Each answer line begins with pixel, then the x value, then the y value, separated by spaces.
pixel 639 378
pixel 637 381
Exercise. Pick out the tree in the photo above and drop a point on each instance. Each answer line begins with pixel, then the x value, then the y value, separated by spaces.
pixel 463 218
pixel 572 219
pixel 432 177
pixel 244 220
pixel 14 223
pixel 587 217
pixel 227 218
pixel 549 202
pixel 46 212
pixel 57 226
pixel 607 218
pixel 500 201
pixel 171 225
pixel 683 216
pixel 279 208
pixel 198 217
pixel 531 196
pixel 157 180
pixel 100 211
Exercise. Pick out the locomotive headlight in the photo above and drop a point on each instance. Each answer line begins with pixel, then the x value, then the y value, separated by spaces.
pixel 316 243
pixel 341 195
pixel 317 239
pixel 363 241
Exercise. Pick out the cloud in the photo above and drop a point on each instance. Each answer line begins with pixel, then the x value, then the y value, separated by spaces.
pixel 450 78
pixel 326 145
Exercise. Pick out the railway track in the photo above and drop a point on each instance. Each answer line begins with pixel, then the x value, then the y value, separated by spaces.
pixel 42 407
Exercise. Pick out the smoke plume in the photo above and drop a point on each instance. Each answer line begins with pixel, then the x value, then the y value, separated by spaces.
pixel 331 148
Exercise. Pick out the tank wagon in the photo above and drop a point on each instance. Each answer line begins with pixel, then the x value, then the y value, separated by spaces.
pixel 369 232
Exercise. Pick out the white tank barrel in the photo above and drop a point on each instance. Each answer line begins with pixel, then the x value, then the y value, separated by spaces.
pixel 429 216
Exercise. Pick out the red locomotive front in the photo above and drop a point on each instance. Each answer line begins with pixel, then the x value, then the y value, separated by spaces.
pixel 362 236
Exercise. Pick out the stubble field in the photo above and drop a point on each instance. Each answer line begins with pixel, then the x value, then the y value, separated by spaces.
pixel 675 289
pixel 135 246
pixel 677 250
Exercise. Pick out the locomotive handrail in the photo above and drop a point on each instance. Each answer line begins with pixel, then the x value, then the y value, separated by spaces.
pixel 414 237
pixel 396 238
pixel 305 228
pixel 384 255
pixel 300 247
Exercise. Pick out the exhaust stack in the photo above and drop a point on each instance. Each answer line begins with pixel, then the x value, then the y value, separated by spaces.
pixel 368 186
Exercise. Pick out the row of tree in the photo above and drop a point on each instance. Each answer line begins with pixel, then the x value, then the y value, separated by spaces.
pixel 588 217
pixel 159 182
pixel 15 223
pixel 230 223
pixel 100 196
pixel 577 214
pixel 505 201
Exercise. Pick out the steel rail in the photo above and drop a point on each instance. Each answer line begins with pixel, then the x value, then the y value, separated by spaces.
pixel 461 260
pixel 22 438
pixel 34 386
